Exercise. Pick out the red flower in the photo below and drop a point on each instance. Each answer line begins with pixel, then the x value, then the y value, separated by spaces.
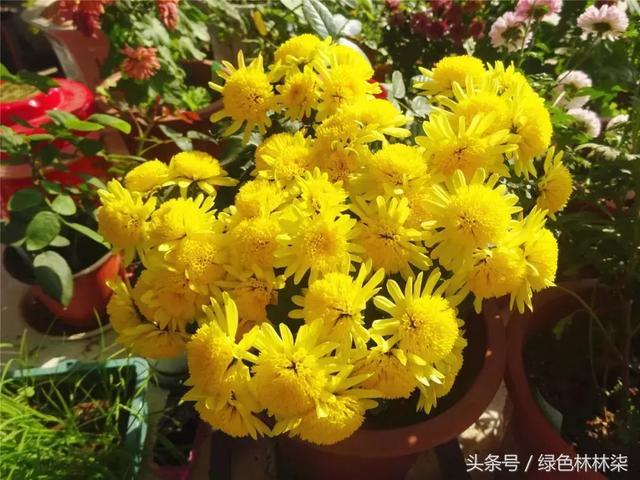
pixel 85 15
pixel 476 29
pixel 168 11
pixel 458 33
pixel 397 19
pixel 436 29
pixel 440 6
pixel 419 23
pixel 141 63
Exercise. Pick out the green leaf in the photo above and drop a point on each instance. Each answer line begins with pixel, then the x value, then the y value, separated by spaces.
pixel 64 205
pixel 42 228
pixel 87 232
pixel 111 121
pixel 54 276
pixel 23 199
pixel 51 187
pixel 70 121
pixel 95 181
pixel 180 140
pixel 38 137
pixel 552 414
pixel 319 18
pixel 60 242
pixel 397 85
pixel 6 75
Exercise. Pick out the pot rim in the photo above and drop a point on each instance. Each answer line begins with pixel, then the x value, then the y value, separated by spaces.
pixel 422 436
pixel 95 265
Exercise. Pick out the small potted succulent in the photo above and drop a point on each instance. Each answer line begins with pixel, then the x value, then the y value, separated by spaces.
pixel 50 231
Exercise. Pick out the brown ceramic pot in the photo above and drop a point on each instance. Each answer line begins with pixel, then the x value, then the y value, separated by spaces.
pixel 388 454
pixel 534 434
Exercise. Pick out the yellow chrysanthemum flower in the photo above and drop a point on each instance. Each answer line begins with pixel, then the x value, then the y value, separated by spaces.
pixel 423 322
pixel 344 55
pixel 252 292
pixel 419 196
pixel 555 187
pixel 247 97
pixel 340 85
pixel 253 242
pixel 150 341
pixel 299 94
pixel 122 218
pixel 385 239
pixel 283 157
pixel 507 81
pixel 470 216
pixel 379 117
pixel 259 197
pixel 531 123
pixel 165 297
pixel 339 300
pixel 122 312
pixel 319 195
pixel 197 167
pixel 464 146
pixel 451 69
pixel 319 244
pixel 290 374
pixel 147 176
pixel 300 50
pixel 181 217
pixel 392 170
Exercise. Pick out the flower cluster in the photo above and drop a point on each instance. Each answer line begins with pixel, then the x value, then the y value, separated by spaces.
pixel 513 30
pixel 334 279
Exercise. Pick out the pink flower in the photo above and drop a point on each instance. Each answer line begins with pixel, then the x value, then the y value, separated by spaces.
pixel 508 31
pixel 168 11
pixel 141 63
pixel 617 121
pixel 392 4
pixel 569 83
pixel 84 15
pixel 544 10
pixel 587 119
pixel 608 22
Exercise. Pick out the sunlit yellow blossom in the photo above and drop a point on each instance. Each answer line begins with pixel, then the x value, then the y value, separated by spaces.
pixel 531 122
pixel 122 218
pixel 385 238
pixel 299 94
pixel 147 176
pixel 122 312
pixel 469 216
pixel 339 301
pixel 253 242
pixel 164 297
pixel 422 321
pixel 419 196
pixel 319 244
pixel 181 217
pixel 339 86
pixel 300 50
pixel 379 117
pixel 318 195
pixel 197 167
pixel 290 374
pixel 247 97
pixel 252 292
pixel 449 70
pixel 344 55
pixel 259 197
pixel 507 81
pixel 555 187
pixel 283 156
pixel 464 146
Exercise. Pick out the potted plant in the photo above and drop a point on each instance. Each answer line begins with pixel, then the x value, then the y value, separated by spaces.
pixel 579 398
pixel 75 420
pixel 332 293
pixel 50 232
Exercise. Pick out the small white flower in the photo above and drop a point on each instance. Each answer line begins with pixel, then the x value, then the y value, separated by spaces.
pixel 587 119
pixel 508 32
pixel 569 83
pixel 608 22
pixel 617 121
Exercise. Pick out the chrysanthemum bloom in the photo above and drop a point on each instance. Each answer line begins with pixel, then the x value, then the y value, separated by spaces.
pixel 464 146
pixel 339 301
pixel 122 218
pixel 339 85
pixel 448 367
pixel 168 12
pixel 283 157
pixel 181 217
pixel 147 176
pixel 569 83
pixel 299 94
pixel 259 197
pixel 509 82
pixel 247 97
pixel 382 233
pixel 531 122
pixel 252 292
pixel 618 120
pixel 289 374
pixel 85 15
pixel 350 57
pixel 449 70
pixel 588 121
pixel 470 216
pixel 200 168
pixel 608 22
pixel 544 10
pixel 509 31
pixel 141 62
pixel 298 51
pixel 319 195
pixel 555 186
pixel 253 242
pixel 379 117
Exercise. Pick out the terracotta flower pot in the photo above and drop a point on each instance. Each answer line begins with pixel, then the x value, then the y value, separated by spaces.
pixel 388 454
pixel 90 294
pixel 183 472
pixel 534 434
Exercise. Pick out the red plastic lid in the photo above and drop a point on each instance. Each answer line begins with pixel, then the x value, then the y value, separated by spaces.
pixel 68 96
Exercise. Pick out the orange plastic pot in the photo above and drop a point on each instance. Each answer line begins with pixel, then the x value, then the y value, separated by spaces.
pixel 90 294
pixel 533 433
pixel 388 454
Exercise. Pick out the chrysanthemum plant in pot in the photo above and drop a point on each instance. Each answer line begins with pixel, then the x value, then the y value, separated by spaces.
pixel 50 231
pixel 334 295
